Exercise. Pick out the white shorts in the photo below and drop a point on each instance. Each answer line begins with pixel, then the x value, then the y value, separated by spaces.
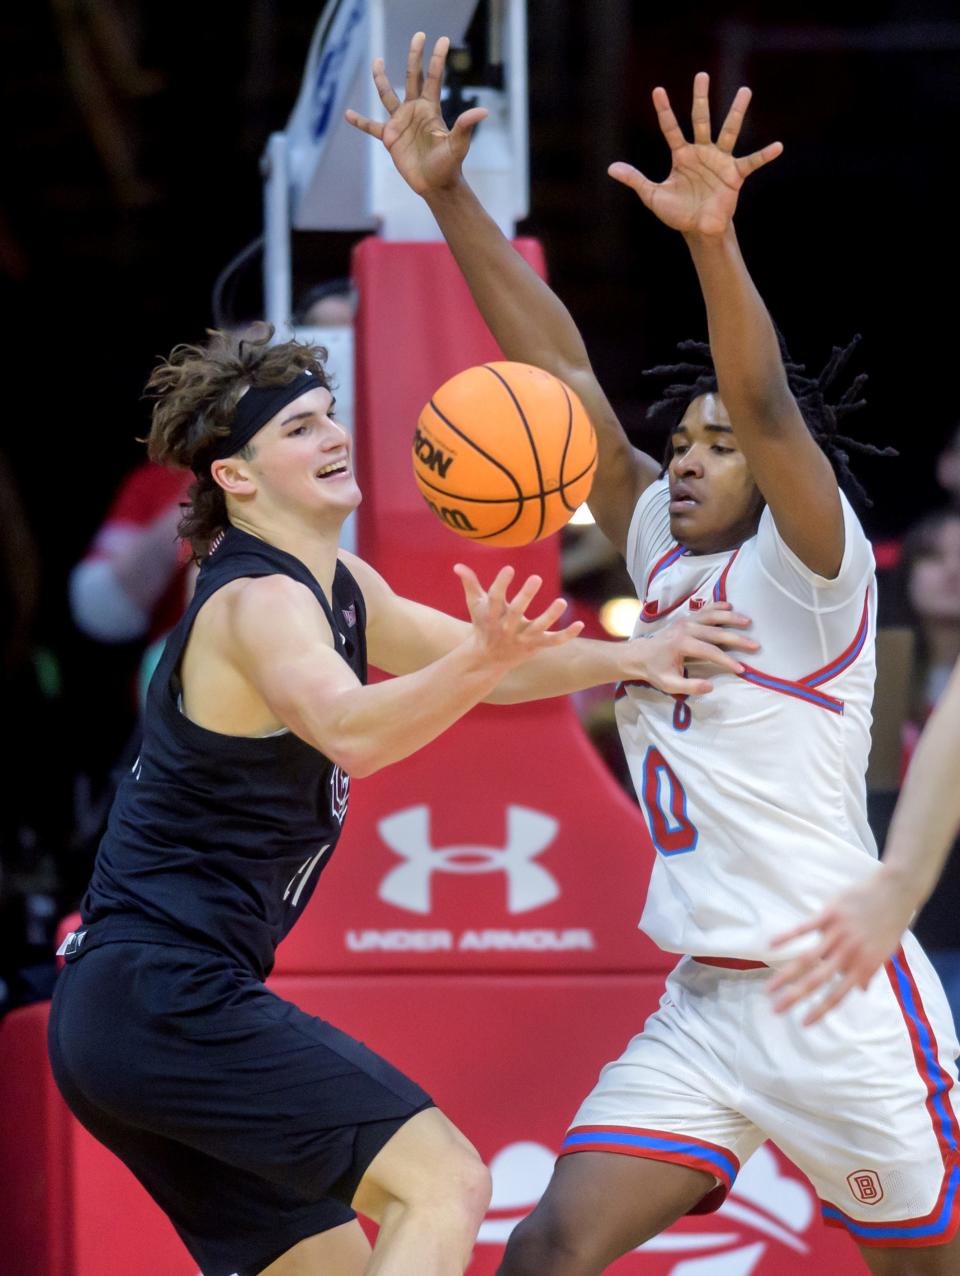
pixel 860 1102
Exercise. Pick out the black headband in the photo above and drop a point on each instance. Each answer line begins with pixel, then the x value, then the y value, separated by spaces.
pixel 255 408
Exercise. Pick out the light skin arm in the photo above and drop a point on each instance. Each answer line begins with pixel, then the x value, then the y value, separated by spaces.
pixel 699 199
pixel 404 636
pixel 280 642
pixel 863 928
pixel 529 322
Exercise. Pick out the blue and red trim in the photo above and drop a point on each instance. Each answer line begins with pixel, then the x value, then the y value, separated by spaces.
pixel 805 688
pixel 720 588
pixel 799 690
pixel 942 1223
pixel 847 657
pixel 655 1145
pixel 661 565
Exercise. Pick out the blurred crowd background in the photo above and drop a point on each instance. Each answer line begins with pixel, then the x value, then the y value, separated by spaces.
pixel 133 134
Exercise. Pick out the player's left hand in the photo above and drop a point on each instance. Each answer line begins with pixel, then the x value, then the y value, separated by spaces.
pixel 858 932
pixel 700 195
pixel 661 659
pixel 427 154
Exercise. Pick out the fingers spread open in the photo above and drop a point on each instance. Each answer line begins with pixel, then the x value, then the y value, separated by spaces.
pixel 525 595
pixel 748 164
pixel 415 66
pixel 373 127
pixel 497 593
pixel 387 96
pixel 633 178
pixel 667 120
pixel 833 998
pixel 734 121
pixel 694 649
pixel 700 115
pixel 438 61
pixel 472 588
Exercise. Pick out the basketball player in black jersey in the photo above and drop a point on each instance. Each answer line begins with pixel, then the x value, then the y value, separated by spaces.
pixel 258 1128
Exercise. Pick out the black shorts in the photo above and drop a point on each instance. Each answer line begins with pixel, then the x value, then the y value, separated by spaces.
pixel 248 1121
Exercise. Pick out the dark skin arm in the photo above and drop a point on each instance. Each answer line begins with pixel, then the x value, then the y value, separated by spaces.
pixel 699 199
pixel 528 321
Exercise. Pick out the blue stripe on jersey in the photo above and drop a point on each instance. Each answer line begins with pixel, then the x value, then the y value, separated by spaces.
pixel 788 688
pixel 902 1231
pixel 723 1163
pixel 941 1082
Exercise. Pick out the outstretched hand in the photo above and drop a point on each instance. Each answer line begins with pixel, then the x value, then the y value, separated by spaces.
pixel 428 155
pixel 700 195
pixel 661 658
pixel 502 632
pixel 858 933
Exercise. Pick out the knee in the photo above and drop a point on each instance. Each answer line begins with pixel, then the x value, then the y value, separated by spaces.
pixel 464 1186
pixel 542 1244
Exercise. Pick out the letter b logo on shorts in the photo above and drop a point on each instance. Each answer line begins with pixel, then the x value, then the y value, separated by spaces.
pixel 408 886
pixel 866 1186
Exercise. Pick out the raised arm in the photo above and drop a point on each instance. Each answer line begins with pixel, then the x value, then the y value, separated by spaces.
pixel 863 927
pixel 528 321
pixel 699 199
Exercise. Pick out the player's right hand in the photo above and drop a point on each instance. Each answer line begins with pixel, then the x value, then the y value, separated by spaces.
pixel 661 659
pixel 428 155
pixel 503 635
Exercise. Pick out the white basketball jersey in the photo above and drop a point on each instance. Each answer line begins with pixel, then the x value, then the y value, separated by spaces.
pixel 754 794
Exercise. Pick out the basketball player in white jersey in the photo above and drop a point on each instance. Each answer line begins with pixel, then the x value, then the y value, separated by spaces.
pixel 755 797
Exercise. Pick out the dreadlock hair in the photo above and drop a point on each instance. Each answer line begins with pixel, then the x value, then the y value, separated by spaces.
pixel 812 394
pixel 196 391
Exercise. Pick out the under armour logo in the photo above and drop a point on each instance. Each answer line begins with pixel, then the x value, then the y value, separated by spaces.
pixel 529 885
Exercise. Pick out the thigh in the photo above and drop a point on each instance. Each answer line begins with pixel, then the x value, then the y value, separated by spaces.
pixel 670 1097
pixel 862 1103
pixel 343 1251
pixel 182 1044
pixel 233 1222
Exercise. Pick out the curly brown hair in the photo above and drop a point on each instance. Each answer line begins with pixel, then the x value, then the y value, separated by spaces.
pixel 196 391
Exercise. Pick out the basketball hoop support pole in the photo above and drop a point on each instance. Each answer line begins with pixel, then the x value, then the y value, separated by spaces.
pixel 277 279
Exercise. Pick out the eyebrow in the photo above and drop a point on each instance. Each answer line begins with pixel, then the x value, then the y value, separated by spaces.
pixel 302 416
pixel 717 429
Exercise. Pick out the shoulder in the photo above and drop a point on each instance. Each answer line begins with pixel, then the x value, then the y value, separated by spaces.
pixel 372 585
pixel 649 532
pixel 274 608
pixel 780 561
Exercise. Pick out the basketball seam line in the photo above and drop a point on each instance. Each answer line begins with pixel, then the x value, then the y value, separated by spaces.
pixel 533 447
pixel 493 461
pixel 506 500
pixel 566 445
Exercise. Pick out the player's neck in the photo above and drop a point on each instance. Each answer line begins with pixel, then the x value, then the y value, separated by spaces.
pixel 315 547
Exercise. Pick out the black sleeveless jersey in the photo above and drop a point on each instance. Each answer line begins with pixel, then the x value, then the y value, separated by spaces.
pixel 220 839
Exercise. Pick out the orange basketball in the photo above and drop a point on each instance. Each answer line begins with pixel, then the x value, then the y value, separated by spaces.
pixel 504 453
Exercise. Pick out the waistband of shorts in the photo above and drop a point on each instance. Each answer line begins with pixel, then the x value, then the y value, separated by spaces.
pixel 121 928
pixel 731 963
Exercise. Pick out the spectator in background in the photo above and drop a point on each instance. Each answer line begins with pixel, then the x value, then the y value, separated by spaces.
pixel 930 576
pixel 132 583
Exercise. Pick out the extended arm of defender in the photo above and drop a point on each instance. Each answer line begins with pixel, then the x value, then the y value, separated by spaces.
pixel 404 636
pixel 530 324
pixel 699 199
pixel 864 927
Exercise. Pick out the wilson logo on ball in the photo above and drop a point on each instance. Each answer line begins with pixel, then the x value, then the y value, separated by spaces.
pixel 525 449
pixel 429 456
